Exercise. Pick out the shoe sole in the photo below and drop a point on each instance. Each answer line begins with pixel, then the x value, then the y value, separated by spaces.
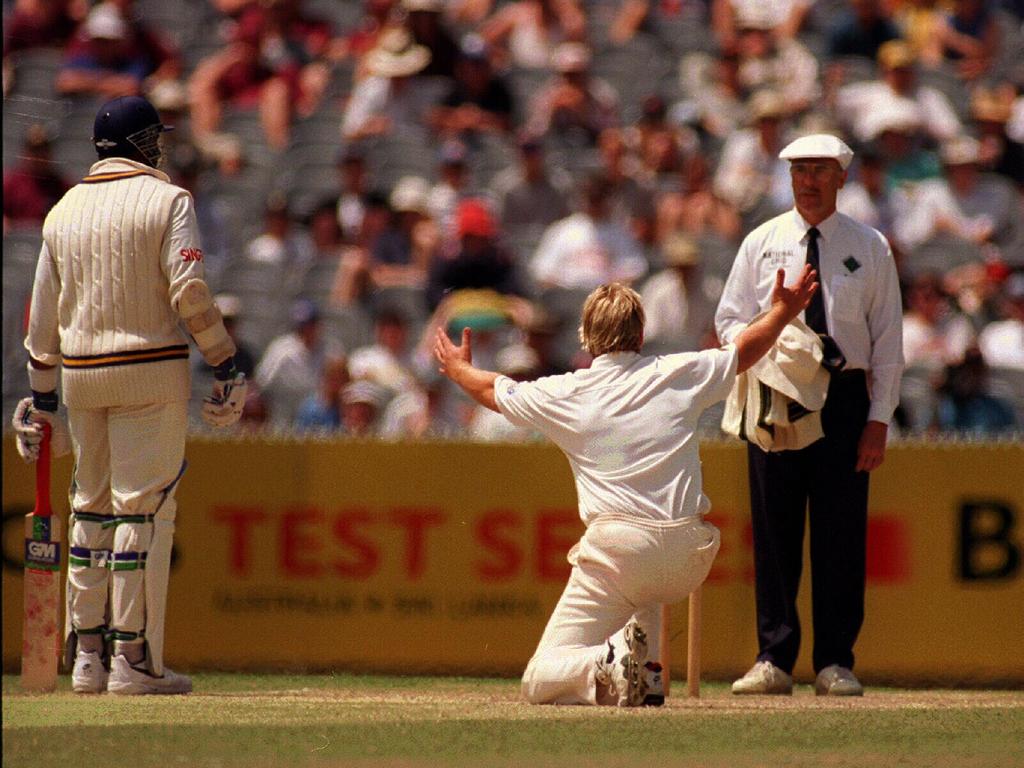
pixel 137 689
pixel 88 690
pixel 636 681
pixel 633 665
pixel 741 692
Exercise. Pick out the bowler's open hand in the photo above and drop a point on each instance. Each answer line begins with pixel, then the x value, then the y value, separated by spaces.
pixel 795 299
pixel 448 354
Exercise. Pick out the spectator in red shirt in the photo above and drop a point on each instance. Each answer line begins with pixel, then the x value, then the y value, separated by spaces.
pixel 33 186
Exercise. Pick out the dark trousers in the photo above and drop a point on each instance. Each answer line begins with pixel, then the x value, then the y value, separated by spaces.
pixel 782 487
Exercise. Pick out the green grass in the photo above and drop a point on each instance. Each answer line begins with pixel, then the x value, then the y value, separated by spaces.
pixel 258 721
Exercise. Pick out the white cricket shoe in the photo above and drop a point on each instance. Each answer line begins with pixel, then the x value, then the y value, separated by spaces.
pixel 834 680
pixel 88 675
pixel 625 676
pixel 764 677
pixel 130 681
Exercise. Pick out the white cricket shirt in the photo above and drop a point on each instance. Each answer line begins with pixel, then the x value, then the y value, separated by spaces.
pixel 627 425
pixel 860 288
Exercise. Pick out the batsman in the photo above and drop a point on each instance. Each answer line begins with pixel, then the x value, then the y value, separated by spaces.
pixel 120 267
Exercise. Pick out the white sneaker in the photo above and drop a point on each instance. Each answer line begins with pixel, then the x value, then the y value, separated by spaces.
pixel 764 677
pixel 131 681
pixel 88 675
pixel 837 681
pixel 625 676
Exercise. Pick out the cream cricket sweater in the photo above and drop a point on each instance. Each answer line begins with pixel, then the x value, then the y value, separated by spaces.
pixel 117 250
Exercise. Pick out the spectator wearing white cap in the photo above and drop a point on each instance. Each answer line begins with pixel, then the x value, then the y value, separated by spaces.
pixel 104 60
pixel 856 312
pixel 573 104
pixel 858 104
pixel 362 403
pixel 963 204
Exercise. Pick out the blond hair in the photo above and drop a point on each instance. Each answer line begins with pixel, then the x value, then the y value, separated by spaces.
pixel 613 320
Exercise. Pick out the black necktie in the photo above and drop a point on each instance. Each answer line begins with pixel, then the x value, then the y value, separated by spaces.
pixel 814 315
pixel 815 312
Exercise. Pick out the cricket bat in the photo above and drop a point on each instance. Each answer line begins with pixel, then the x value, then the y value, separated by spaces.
pixel 40 637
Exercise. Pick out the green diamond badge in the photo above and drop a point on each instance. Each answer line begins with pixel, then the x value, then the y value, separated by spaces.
pixel 851 264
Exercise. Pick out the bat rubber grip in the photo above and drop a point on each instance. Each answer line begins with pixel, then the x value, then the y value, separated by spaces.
pixel 43 475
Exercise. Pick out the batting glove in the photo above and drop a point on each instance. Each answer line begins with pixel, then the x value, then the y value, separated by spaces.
pixel 27 422
pixel 224 406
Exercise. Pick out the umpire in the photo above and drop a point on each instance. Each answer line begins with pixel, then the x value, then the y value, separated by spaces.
pixel 858 314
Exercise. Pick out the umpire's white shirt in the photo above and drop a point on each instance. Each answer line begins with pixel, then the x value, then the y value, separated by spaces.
pixel 627 425
pixel 860 289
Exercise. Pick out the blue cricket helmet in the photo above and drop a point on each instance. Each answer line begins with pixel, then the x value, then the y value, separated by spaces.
pixel 128 126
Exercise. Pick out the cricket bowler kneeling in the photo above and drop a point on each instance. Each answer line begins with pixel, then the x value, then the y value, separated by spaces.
pixel 120 266
pixel 628 427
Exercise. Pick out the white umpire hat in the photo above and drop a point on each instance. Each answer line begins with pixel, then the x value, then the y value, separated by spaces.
pixel 819 145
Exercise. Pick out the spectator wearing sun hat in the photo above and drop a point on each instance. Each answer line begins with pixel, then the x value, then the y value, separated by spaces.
pixel 386 99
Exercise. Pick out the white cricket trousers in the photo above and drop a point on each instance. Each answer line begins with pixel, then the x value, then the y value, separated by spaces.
pixel 623 566
pixel 128 461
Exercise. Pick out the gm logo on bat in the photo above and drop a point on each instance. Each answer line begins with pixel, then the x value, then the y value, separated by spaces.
pixel 42 555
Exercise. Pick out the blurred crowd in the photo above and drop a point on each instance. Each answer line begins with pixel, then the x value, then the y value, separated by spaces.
pixel 366 172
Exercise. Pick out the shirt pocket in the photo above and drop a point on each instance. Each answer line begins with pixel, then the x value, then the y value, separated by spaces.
pixel 847 298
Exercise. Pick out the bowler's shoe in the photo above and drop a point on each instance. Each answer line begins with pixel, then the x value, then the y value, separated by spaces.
pixel 764 678
pixel 834 680
pixel 624 674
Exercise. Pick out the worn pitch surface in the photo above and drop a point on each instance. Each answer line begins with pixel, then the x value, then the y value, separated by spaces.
pixel 344 720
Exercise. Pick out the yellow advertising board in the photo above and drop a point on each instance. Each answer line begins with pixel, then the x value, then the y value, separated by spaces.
pixel 440 557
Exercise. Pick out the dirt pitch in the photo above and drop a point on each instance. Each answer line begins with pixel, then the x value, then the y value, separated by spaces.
pixel 266 721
